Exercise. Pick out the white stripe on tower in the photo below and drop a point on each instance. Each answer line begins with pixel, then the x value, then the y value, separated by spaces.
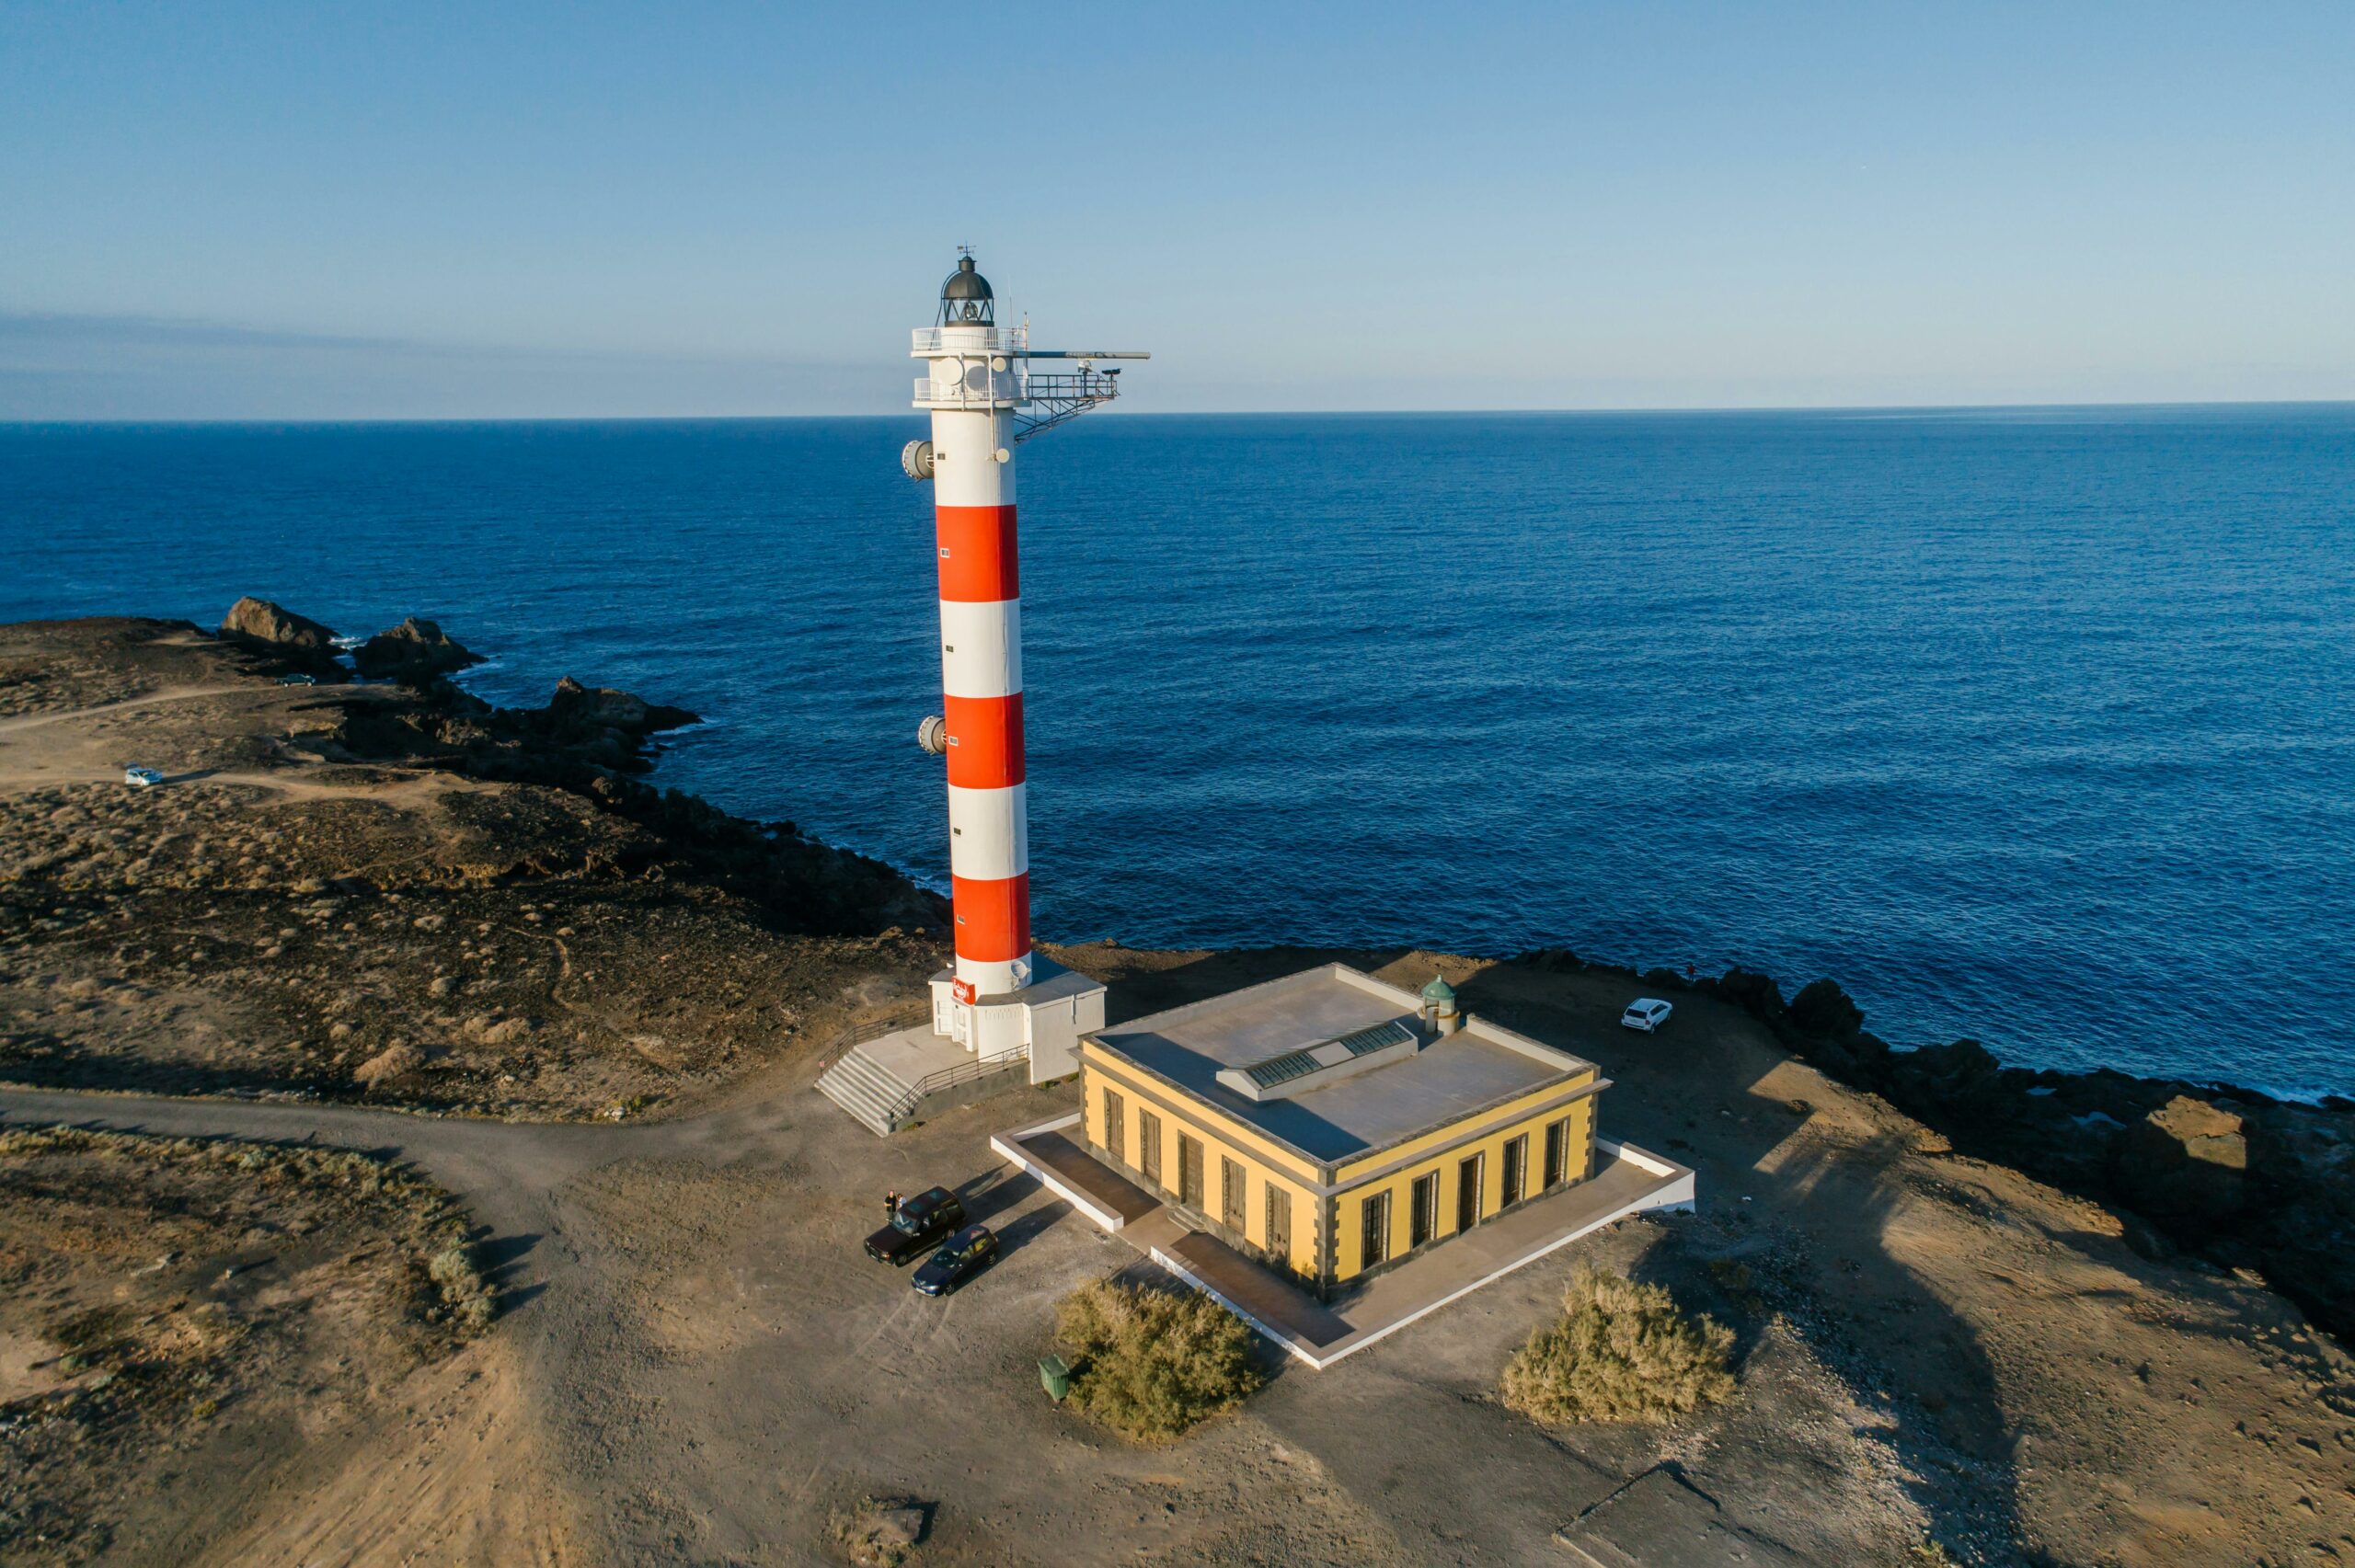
pixel 981 679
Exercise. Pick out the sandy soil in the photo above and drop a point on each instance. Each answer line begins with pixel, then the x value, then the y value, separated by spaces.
pixel 1930 1349
pixel 695 1366
pixel 272 919
pixel 187 1321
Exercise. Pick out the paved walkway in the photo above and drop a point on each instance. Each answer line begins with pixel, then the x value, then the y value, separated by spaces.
pixel 1258 1292
pixel 1091 1175
pixel 1320 1333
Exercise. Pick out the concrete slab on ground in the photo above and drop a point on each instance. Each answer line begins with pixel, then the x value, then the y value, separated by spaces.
pixel 912 1055
pixel 1318 1333
pixel 1661 1521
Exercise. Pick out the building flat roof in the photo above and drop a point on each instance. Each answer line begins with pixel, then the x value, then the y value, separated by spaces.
pixel 1451 1077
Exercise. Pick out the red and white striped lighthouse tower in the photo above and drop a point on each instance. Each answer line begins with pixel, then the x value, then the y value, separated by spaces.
pixel 980 637
pixel 985 399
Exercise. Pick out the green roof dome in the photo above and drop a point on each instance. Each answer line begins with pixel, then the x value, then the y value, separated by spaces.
pixel 1439 991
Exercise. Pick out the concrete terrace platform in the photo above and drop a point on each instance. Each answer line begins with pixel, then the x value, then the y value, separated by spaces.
pixel 1320 1332
pixel 887 1082
pixel 912 1055
pixel 1094 1189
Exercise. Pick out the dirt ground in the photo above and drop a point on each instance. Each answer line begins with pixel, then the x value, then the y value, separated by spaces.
pixel 1929 1349
pixel 181 1315
pixel 694 1364
pixel 273 920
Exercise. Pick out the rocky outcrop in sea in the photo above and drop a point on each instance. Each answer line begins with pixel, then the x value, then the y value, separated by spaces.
pixel 414 651
pixel 291 643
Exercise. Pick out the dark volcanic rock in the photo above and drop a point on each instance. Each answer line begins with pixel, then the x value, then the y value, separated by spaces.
pixel 1823 1010
pixel 289 643
pixel 252 619
pixel 2187 1160
pixel 414 651
pixel 576 710
pixel 1964 1073
pixel 1754 993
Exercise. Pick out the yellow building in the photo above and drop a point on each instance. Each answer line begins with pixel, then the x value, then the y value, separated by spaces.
pixel 1332 1124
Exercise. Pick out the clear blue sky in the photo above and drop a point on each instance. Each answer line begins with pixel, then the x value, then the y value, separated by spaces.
pixel 235 210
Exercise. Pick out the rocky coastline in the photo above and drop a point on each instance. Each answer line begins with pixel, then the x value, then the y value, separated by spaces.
pixel 343 895
pixel 588 741
pixel 2223 1175
pixel 392 892
pixel 2226 1176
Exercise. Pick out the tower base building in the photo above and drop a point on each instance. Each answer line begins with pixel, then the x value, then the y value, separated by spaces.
pixel 1333 1156
pixel 1041 1021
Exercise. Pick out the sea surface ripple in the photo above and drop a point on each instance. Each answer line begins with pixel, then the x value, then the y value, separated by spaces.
pixel 2030 726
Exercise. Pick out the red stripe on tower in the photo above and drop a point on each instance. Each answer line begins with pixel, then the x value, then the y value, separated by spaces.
pixel 978 561
pixel 985 741
pixel 993 919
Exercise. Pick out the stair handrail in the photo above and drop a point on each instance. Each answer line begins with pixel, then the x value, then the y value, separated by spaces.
pixel 854 1036
pixel 949 1076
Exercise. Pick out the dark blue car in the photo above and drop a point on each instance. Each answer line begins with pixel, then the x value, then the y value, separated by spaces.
pixel 967 1252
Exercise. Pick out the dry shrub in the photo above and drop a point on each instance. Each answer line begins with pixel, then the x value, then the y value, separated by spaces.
pixel 881 1531
pixel 397 1061
pixel 1152 1363
pixel 1620 1352
pixel 467 1299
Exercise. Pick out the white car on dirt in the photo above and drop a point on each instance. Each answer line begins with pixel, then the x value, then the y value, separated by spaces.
pixel 144 778
pixel 1646 1013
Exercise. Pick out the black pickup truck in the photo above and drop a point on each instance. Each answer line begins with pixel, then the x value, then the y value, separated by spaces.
pixel 917 1223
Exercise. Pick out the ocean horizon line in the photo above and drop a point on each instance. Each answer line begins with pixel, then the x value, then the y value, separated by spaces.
pixel 1859 410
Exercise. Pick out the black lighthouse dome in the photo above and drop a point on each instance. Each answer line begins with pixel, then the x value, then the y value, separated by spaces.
pixel 965 298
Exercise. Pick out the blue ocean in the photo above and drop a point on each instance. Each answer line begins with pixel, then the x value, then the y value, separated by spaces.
pixel 2029 726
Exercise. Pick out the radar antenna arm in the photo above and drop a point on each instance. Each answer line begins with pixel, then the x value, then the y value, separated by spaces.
pixel 1052 398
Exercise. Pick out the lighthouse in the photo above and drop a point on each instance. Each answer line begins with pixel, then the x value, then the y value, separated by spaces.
pixel 999 1005
pixel 987 394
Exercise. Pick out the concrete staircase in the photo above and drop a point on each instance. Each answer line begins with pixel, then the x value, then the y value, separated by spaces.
pixel 879 1101
pixel 892 1080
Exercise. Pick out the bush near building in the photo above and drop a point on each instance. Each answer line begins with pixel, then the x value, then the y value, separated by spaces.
pixel 1620 1352
pixel 1151 1364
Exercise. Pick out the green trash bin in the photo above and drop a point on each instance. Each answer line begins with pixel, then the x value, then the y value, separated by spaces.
pixel 1055 1377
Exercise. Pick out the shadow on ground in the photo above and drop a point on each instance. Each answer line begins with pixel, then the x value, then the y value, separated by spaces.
pixel 1801 1228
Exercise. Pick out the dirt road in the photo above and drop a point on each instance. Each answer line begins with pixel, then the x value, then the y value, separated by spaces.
pixel 69 715
pixel 696 1366
pixel 1929 1347
pixel 80 746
